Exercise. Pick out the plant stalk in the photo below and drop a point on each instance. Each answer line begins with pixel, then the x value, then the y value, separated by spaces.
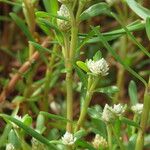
pixel 86 102
pixel 109 134
pixel 144 119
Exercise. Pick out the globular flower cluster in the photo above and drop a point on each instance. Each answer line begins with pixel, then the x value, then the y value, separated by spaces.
pixel 10 146
pixel 99 141
pixel 99 67
pixel 110 113
pixel 137 109
pixel 63 25
pixel 68 139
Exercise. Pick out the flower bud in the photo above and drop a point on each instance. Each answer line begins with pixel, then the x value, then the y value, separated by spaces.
pixel 64 25
pixel 68 139
pixel 137 109
pixel 99 141
pixel 99 67
pixel 110 113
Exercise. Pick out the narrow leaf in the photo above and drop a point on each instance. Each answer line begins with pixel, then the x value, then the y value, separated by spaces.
pixel 28 130
pixel 94 10
pixel 82 65
pixel 117 57
pixel 129 122
pixel 132 89
pixel 22 26
pixel 138 9
pixel 147 26
pixel 52 116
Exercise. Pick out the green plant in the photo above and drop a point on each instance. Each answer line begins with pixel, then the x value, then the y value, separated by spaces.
pixel 70 51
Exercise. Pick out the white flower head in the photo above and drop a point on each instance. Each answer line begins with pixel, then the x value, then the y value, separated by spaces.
pixel 10 146
pixel 107 115
pixel 63 25
pixel 110 113
pixel 137 109
pixel 99 67
pixel 118 109
pixel 99 141
pixel 68 139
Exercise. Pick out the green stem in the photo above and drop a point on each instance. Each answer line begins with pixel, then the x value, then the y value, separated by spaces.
pixel 69 59
pixel 48 78
pixel 69 89
pixel 109 134
pixel 121 69
pixel 86 102
pixel 135 119
pixel 144 119
pixel 118 140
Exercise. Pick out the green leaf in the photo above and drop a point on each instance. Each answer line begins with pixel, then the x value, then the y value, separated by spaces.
pixel 95 112
pixel 40 127
pixel 110 90
pixel 28 130
pixel 147 26
pixel 79 134
pixel 132 142
pixel 82 65
pixel 129 122
pixel 11 3
pixel 43 49
pixel 14 140
pixel 117 57
pixel 138 9
pixel 132 37
pixel 84 144
pixel 97 56
pixel 22 26
pixel 42 14
pixel 51 7
pixel 27 120
pixel 52 116
pixel 132 90
pixel 94 10
pixel 81 74
pixel 111 35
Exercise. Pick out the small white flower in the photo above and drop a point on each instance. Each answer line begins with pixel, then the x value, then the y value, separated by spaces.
pixel 99 67
pixel 118 109
pixel 68 139
pixel 107 115
pixel 99 141
pixel 110 113
pixel 63 25
pixel 137 108
pixel 10 146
